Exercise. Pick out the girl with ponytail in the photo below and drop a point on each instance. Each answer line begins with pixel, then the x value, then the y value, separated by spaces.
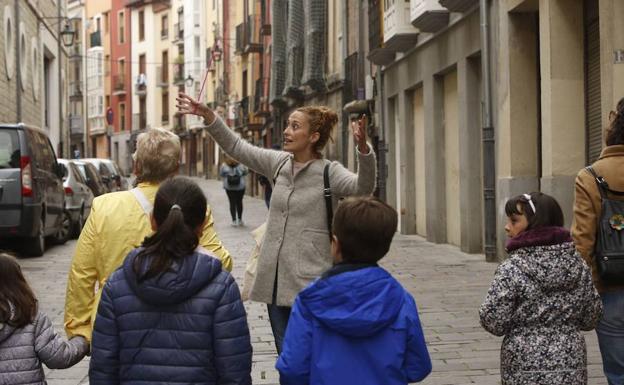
pixel 295 248
pixel 171 313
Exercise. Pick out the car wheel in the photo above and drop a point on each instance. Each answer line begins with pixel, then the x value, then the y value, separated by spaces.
pixel 35 246
pixel 64 231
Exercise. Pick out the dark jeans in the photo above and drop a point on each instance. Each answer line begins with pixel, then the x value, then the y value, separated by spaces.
pixel 610 332
pixel 278 315
pixel 236 203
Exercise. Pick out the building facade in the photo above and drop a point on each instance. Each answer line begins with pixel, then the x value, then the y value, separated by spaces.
pixel 34 68
pixel 551 91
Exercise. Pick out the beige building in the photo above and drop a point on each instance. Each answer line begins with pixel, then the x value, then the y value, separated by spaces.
pixel 33 68
pixel 556 73
pixel 98 84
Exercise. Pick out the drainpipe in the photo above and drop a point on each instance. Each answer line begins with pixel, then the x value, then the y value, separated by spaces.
pixel 62 135
pixel 489 155
pixel 18 65
pixel 345 54
pixel 382 171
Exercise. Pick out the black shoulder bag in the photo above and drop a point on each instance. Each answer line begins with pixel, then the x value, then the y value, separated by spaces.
pixel 609 245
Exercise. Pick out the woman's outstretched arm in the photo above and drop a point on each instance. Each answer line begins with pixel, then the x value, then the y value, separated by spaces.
pixel 261 160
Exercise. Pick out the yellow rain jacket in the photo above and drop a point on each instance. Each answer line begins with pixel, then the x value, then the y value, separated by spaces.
pixel 117 224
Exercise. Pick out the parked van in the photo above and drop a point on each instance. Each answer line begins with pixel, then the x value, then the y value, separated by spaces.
pixel 32 205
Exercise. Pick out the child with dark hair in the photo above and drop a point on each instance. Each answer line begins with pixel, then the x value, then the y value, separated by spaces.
pixel 27 338
pixel 356 324
pixel 541 298
pixel 170 313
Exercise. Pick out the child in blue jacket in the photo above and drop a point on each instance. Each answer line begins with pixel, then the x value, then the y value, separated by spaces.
pixel 355 324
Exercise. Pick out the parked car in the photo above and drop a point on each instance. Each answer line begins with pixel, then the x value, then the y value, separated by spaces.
pixel 91 177
pixel 32 205
pixel 78 196
pixel 110 173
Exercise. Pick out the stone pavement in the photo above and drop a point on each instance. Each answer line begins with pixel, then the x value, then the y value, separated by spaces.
pixel 448 287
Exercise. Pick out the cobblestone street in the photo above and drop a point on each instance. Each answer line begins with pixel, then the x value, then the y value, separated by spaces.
pixel 448 287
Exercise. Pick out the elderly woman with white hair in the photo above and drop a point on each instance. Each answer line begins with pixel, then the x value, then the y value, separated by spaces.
pixel 118 222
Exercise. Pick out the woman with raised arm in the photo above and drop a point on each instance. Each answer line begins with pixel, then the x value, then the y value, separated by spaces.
pixel 296 246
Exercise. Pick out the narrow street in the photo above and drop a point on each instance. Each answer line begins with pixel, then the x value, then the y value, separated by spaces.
pixel 448 287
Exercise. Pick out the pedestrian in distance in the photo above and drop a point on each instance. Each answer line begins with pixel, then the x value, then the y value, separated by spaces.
pixel 171 313
pixel 233 174
pixel 541 298
pixel 118 223
pixel 296 248
pixel 598 232
pixel 27 337
pixel 356 324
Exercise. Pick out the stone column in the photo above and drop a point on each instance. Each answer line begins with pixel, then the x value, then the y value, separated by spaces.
pixel 470 165
pixel 434 159
pixel 407 163
pixel 563 102
pixel 517 122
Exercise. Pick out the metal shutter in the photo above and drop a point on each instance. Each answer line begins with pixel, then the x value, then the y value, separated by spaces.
pixel 593 123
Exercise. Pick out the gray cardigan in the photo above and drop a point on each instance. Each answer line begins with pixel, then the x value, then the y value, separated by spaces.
pixel 23 350
pixel 296 243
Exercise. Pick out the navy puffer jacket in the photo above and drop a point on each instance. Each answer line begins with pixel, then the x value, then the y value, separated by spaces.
pixel 186 326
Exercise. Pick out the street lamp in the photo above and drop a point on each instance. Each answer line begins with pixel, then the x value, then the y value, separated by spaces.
pixel 189 81
pixel 68 34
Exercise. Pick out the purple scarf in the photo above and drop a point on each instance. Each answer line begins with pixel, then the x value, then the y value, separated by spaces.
pixel 541 236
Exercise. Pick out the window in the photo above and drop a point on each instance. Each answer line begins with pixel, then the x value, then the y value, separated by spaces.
pixel 98 24
pixel 165 67
pixel 121 67
pixel 107 101
pixel 122 27
pixel 142 113
pixel 141 25
pixel 165 107
pixel 164 27
pixel 122 117
pixel 142 64
pixel 197 47
pixel 106 22
pixel 196 12
pixel 107 65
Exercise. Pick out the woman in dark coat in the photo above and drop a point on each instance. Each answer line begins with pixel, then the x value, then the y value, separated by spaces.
pixel 171 313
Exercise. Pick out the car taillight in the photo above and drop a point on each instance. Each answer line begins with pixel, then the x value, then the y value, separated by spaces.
pixel 69 191
pixel 26 176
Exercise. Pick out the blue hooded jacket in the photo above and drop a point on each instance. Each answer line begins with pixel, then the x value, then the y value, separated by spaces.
pixel 185 326
pixel 354 325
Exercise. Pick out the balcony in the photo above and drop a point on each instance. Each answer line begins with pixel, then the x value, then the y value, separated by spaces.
pixel 459 5
pixel 178 76
pixel 246 39
pixel 178 33
pixel 164 34
pixel 378 53
pixel 164 119
pixel 399 34
pixel 163 76
pixel 261 104
pixel 76 125
pixel 428 15
pixel 95 39
pixel 242 113
pixel 75 90
pixel 140 87
pixel 119 84
pixel 75 52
